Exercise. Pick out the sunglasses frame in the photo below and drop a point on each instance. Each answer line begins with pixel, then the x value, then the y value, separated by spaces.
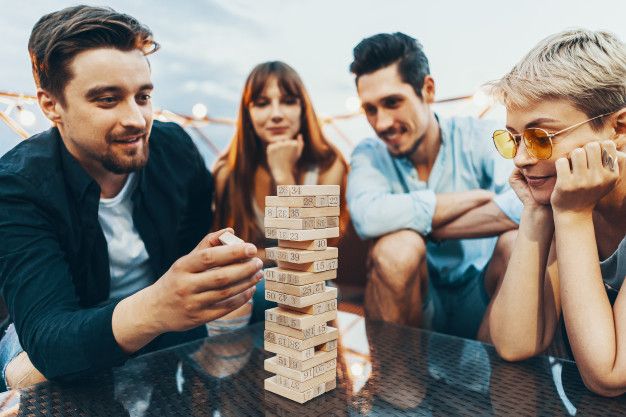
pixel 517 138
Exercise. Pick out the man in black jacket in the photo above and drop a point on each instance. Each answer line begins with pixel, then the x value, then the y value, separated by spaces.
pixel 103 252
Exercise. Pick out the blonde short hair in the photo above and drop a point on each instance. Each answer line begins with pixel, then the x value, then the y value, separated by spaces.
pixel 586 68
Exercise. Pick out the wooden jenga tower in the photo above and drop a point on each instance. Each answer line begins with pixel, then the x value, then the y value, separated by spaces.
pixel 302 218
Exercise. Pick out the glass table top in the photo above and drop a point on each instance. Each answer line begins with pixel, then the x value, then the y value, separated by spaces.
pixel 383 369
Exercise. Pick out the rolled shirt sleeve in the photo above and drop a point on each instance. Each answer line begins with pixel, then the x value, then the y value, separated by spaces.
pixel 375 207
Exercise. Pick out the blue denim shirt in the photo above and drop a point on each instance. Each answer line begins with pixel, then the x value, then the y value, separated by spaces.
pixel 385 193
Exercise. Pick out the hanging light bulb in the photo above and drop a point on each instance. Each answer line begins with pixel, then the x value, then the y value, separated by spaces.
pixel 353 104
pixel 199 111
pixel 26 117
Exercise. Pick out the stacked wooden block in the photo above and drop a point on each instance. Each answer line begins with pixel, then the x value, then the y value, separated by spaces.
pixel 302 218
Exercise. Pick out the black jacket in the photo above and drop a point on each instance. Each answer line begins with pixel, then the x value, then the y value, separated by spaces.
pixel 54 267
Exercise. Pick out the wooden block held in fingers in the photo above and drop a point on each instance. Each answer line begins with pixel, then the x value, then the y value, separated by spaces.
pixel 318 308
pixel 303 234
pixel 297 290
pixel 291 353
pixel 307 333
pixel 300 302
pixel 316 244
pixel 303 386
pixel 288 223
pixel 299 256
pixel 303 212
pixel 299 397
pixel 317 266
pixel 272 365
pixel 270 211
pixel 274 201
pixel 297 277
pixel 297 320
pixel 228 238
pixel 299 344
pixel 302 190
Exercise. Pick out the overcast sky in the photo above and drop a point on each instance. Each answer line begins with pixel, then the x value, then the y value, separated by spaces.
pixel 209 46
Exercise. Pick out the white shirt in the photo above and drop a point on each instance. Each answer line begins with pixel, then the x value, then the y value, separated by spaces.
pixel 128 259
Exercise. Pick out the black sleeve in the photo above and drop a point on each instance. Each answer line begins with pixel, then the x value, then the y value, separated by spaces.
pixel 63 340
pixel 197 218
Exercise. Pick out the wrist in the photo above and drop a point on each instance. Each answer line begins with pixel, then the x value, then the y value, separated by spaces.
pixel 133 322
pixel 569 217
pixel 282 177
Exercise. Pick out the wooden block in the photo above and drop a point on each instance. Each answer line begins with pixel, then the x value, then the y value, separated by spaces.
pixel 282 191
pixel 274 201
pixel 291 353
pixel 282 212
pixel 299 344
pixel 288 223
pixel 328 346
pixel 273 365
pixel 300 302
pixel 297 320
pixel 297 290
pixel 307 333
pixel 332 221
pixel 270 211
pixel 297 277
pixel 228 238
pixel 315 309
pixel 303 234
pixel 271 233
pixel 333 201
pixel 300 397
pixel 303 212
pixel 299 256
pixel 303 386
pixel 317 266
pixel 305 190
pixel 316 244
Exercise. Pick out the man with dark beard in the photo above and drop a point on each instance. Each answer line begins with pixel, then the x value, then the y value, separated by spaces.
pixel 430 194
pixel 103 218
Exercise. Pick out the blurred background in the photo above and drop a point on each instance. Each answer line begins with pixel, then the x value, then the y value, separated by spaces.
pixel 209 47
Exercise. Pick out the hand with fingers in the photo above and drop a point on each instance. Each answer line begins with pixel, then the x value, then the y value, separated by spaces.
pixel 206 284
pixel 585 178
pixel 282 158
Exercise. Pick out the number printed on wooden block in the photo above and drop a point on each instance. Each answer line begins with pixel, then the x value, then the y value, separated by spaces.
pixel 297 290
pixel 272 365
pixel 297 320
pixel 305 190
pixel 270 211
pixel 271 233
pixel 282 212
pixel 300 302
pixel 316 244
pixel 297 277
pixel 275 201
pixel 333 201
pixel 299 235
pixel 291 353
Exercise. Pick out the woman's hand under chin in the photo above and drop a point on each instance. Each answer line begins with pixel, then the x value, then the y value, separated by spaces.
pixel 593 173
pixel 282 158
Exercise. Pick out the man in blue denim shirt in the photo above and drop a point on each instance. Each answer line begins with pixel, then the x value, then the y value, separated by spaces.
pixel 432 195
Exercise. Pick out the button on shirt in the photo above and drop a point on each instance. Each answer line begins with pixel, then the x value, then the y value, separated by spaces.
pixel 385 193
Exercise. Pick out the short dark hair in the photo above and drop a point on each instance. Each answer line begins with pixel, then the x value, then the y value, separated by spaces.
pixel 384 49
pixel 59 36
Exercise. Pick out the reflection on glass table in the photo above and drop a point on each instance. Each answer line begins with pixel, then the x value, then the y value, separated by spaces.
pixel 382 370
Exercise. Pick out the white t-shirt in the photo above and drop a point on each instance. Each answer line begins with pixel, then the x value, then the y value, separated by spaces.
pixel 128 259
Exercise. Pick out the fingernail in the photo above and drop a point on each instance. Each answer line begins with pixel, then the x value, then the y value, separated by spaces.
pixel 250 249
pixel 259 263
pixel 259 276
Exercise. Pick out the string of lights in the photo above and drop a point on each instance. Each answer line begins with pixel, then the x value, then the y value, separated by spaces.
pixel 19 116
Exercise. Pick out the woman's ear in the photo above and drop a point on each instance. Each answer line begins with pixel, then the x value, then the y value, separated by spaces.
pixel 619 128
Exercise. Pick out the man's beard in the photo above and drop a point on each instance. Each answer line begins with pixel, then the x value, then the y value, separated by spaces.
pixel 126 163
